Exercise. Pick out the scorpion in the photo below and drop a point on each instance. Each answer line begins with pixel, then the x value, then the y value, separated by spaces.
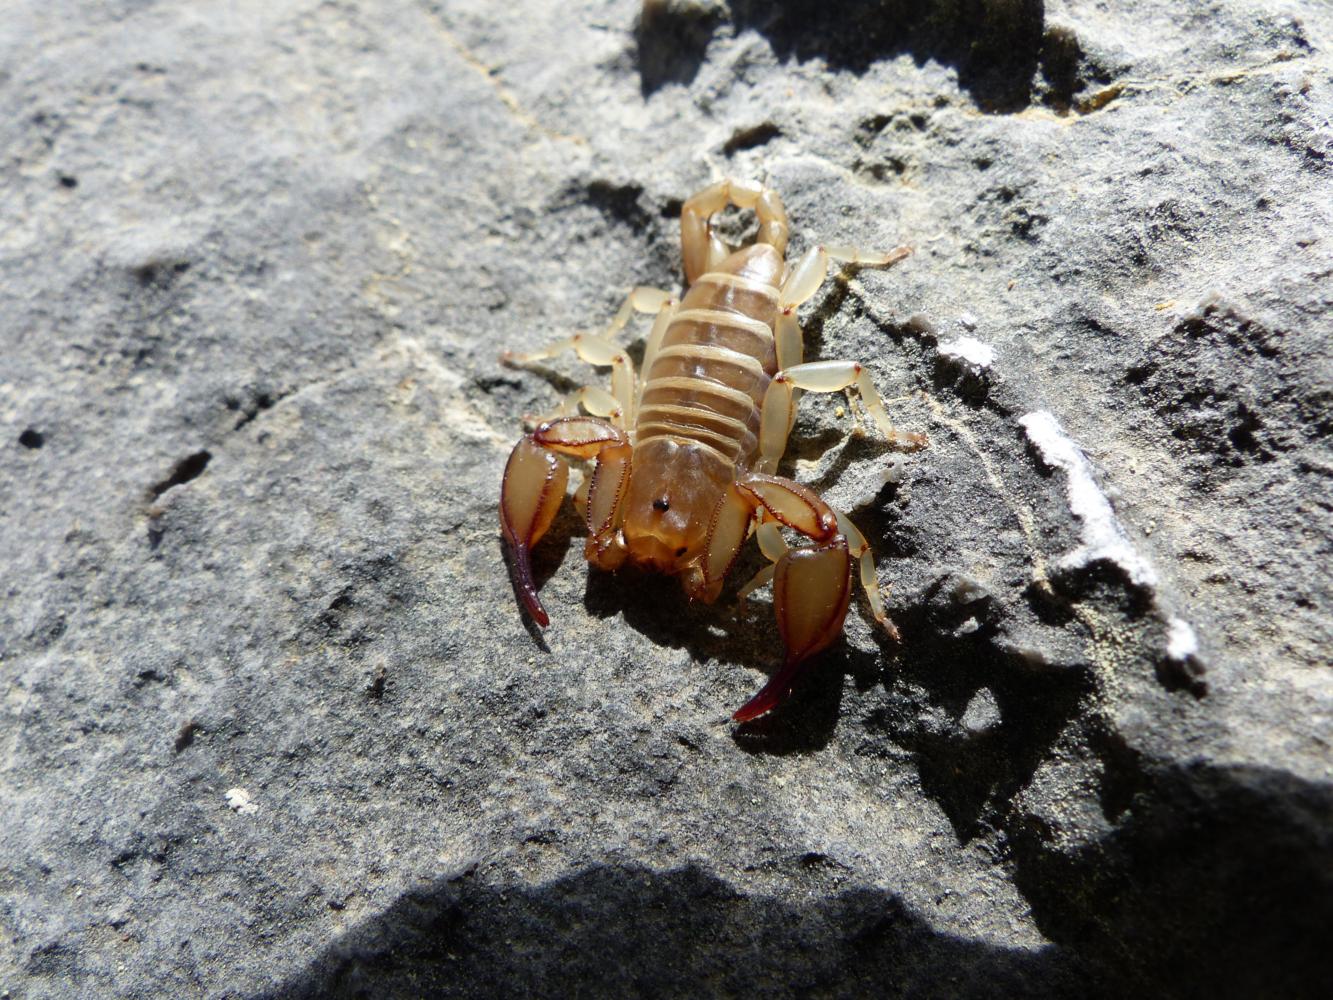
pixel 684 458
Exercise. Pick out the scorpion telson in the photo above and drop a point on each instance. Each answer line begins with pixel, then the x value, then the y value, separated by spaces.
pixel 710 419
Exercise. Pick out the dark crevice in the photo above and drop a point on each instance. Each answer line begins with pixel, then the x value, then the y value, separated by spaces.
pixel 159 273
pixel 331 618
pixel 671 40
pixel 620 203
pixel 1185 674
pixel 995 45
pixel 157 531
pixel 188 468
pixel 1107 583
pixel 32 439
pixel 751 138
pixel 252 404
pixel 186 734
pixel 490 383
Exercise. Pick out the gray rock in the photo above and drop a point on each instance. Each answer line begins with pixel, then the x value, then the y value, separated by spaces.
pixel 273 724
pixel 982 714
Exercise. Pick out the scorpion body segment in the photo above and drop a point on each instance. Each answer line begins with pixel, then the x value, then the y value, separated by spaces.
pixel 684 458
pixel 698 420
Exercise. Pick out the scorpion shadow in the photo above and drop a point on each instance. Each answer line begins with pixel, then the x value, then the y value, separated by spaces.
pixel 949 664
pixel 729 634
pixel 972 774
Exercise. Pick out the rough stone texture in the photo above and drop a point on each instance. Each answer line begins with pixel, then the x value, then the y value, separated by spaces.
pixel 273 724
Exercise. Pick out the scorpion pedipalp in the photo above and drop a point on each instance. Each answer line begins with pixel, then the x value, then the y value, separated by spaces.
pixel 812 589
pixel 534 485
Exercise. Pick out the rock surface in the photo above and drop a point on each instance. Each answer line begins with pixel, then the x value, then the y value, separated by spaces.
pixel 273 724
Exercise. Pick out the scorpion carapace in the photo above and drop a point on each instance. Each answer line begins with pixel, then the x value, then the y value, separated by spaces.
pixel 683 459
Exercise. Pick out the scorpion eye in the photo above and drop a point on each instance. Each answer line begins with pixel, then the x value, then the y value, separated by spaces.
pixel 662 503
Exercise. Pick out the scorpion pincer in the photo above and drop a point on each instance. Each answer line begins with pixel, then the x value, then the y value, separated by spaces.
pixel 684 458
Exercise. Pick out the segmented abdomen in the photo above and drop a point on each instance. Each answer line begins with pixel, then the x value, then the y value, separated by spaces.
pixel 706 382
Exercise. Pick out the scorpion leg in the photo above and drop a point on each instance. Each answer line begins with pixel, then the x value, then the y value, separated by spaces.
pixel 802 281
pixel 600 350
pixel 779 409
pixel 654 343
pixel 781 397
pixel 811 586
pixel 534 485
pixel 598 402
pixel 774 547
pixel 595 351
pixel 640 299
pixel 807 274
pixel 788 339
pixel 859 548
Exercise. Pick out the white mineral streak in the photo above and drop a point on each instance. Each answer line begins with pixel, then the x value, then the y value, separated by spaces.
pixel 1103 535
pixel 238 800
pixel 1181 642
pixel 969 351
pixel 862 489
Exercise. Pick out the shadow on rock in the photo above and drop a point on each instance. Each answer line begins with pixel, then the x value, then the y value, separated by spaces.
pixel 977 723
pixel 1217 882
pixel 627 931
pixel 672 41
pixel 997 46
pixel 656 607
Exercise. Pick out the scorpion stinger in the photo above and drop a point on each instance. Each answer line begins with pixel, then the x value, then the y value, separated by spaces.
pixel 684 459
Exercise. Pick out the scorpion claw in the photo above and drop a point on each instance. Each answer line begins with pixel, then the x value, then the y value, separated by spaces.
pixel 534 486
pixel 772 694
pixel 811 590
